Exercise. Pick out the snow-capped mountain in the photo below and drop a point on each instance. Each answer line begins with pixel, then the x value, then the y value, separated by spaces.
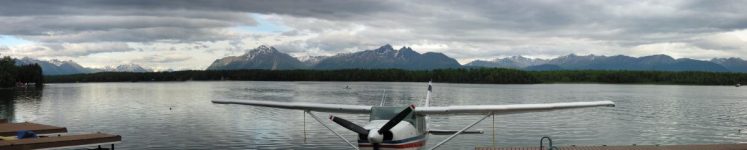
pixel 126 68
pixel 265 57
pixel 618 62
pixel 59 67
pixel 262 57
pixel 387 57
pixel 509 62
pixel 733 63
pixel 311 60
pixel 55 67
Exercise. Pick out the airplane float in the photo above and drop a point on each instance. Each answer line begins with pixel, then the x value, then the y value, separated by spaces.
pixel 393 128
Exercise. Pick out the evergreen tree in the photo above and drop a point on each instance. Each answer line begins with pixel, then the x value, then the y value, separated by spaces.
pixel 8 72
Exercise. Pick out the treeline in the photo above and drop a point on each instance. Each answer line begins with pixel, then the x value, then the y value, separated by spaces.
pixel 12 75
pixel 640 77
pixel 462 75
pixel 497 76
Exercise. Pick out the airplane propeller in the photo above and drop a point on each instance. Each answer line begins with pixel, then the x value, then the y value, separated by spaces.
pixel 349 125
pixel 374 136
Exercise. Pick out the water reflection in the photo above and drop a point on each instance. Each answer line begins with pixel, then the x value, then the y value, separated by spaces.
pixel 6 104
pixel 23 97
pixel 179 115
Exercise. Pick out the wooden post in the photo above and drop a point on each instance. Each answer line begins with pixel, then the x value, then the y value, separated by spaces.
pixel 493 130
pixel 304 127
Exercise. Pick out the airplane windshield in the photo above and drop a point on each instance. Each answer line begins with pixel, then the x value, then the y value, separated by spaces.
pixel 386 113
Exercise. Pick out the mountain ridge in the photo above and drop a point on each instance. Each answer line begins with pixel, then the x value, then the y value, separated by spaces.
pixel 384 57
pixel 658 62
pixel 262 57
pixel 59 67
pixel 387 57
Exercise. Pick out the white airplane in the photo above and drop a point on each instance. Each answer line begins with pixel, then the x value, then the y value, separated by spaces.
pixel 390 128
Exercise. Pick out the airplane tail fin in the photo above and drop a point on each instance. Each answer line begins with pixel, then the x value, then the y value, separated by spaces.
pixel 428 101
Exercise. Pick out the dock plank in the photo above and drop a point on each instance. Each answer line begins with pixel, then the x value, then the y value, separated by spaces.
pixel 9 129
pixel 59 141
pixel 636 147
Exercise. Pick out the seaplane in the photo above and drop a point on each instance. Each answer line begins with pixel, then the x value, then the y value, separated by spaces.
pixel 392 127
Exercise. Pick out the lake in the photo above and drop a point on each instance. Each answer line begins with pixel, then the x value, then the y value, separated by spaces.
pixel 179 115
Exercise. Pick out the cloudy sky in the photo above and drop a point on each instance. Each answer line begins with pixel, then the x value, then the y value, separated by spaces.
pixel 191 34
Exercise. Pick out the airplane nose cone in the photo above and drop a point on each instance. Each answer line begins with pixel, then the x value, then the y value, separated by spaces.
pixel 375 137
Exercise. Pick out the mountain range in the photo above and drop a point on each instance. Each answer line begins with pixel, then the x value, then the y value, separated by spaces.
pixel 125 68
pixel 387 57
pixel 264 57
pixel 508 62
pixel 733 64
pixel 617 62
pixel 384 57
pixel 57 67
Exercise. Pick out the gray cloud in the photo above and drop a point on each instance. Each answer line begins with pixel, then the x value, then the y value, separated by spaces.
pixel 162 59
pixel 330 9
pixel 113 21
pixel 43 25
pixel 153 34
pixel 70 49
pixel 464 29
pixel 521 27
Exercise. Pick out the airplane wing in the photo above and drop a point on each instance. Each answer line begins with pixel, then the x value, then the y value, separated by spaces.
pixel 335 108
pixel 507 109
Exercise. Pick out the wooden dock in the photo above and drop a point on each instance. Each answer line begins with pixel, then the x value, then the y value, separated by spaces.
pixel 9 129
pixel 61 142
pixel 633 147
pixel 47 140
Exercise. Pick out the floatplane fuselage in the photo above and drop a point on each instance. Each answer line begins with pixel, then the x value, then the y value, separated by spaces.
pixel 389 128
pixel 406 127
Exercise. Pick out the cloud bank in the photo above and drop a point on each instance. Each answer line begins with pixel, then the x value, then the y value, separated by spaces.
pixel 193 33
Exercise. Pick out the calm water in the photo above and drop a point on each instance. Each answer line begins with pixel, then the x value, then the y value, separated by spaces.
pixel 645 114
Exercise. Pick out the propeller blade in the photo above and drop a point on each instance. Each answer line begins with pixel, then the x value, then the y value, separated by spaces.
pixel 394 121
pixel 376 146
pixel 349 125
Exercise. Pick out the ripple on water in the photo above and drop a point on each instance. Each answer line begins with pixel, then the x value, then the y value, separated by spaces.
pixel 645 114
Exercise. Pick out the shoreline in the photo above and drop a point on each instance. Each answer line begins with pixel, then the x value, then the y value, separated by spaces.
pixel 382 82
pixel 471 76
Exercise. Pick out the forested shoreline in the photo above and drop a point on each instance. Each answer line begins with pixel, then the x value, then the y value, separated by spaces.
pixel 12 75
pixel 461 75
